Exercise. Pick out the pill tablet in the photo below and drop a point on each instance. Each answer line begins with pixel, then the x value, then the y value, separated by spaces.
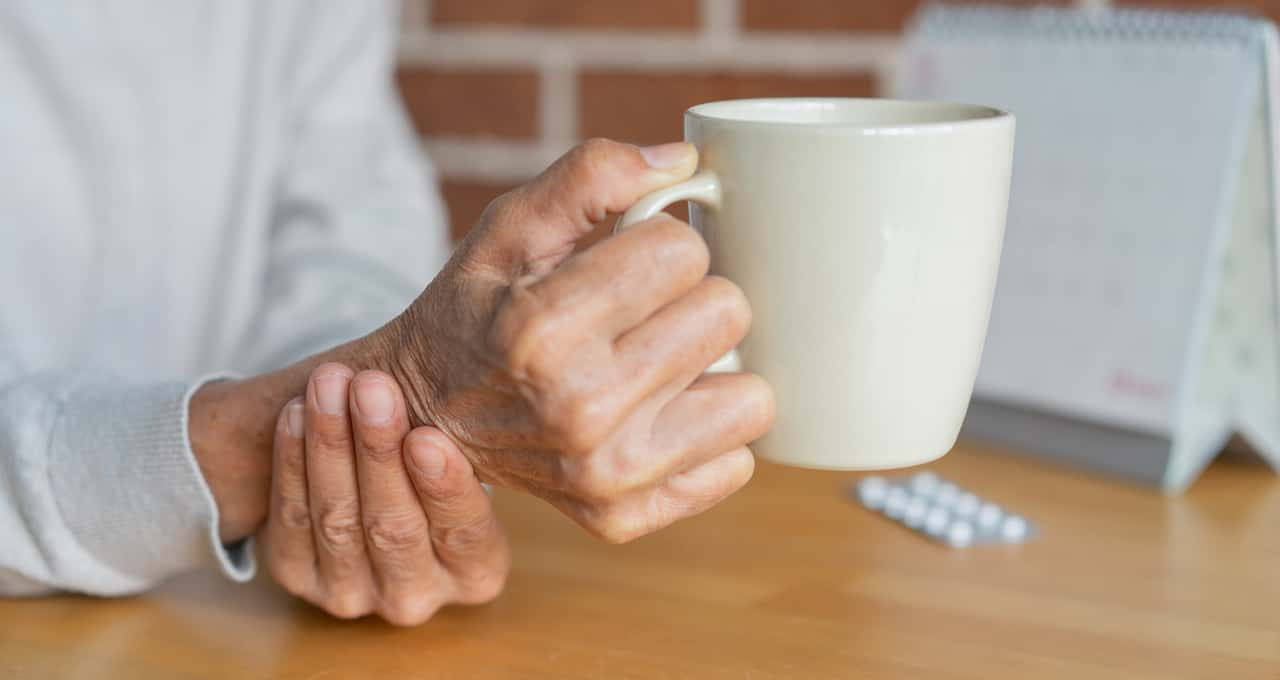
pixel 916 509
pixel 989 516
pixel 946 494
pixel 941 510
pixel 960 534
pixel 924 483
pixel 872 492
pixel 937 521
pixel 966 504
pixel 1013 529
pixel 895 504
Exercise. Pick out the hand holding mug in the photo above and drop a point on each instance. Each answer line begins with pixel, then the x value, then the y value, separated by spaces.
pixel 578 377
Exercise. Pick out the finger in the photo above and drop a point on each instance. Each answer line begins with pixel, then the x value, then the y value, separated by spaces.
pixel 719 412
pixel 683 495
pixel 624 279
pixel 332 489
pixel 468 540
pixel 698 489
pixel 534 227
pixel 289 546
pixel 395 526
pixel 679 342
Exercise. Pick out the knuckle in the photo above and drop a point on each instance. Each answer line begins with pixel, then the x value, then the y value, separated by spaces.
pixel 615 527
pixel 528 334
pixel 409 610
pixel 679 248
pixel 347 604
pixel 467 537
pixel 593 151
pixel 579 421
pixel 391 534
pixel 596 481
pixel 377 447
pixel 503 209
pixel 731 303
pixel 762 405
pixel 339 525
pixel 484 586
pixel 295 515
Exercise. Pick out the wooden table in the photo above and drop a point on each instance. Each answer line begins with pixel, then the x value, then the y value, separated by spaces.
pixel 786 580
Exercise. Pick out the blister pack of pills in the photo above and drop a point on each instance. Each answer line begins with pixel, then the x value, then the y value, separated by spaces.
pixel 941 510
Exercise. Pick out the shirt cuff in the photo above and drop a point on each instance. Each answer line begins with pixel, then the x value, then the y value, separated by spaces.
pixel 129 487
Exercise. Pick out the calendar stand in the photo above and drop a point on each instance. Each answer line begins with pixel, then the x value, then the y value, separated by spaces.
pixel 1135 326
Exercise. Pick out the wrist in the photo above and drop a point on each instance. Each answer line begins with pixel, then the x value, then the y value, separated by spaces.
pixel 397 350
pixel 235 468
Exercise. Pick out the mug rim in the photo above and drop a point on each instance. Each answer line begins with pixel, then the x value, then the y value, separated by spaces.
pixel 968 115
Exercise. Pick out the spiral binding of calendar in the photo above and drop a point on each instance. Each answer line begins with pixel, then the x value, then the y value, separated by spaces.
pixel 1126 25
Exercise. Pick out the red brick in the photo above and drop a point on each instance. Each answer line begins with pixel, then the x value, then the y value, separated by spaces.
pixel 466 200
pixel 651 14
pixel 1268 8
pixel 826 16
pixel 648 108
pixel 471 102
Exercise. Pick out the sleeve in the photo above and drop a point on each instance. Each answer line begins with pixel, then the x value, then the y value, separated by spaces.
pixel 359 228
pixel 100 491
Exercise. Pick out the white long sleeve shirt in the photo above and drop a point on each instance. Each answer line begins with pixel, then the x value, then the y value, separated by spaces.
pixel 187 189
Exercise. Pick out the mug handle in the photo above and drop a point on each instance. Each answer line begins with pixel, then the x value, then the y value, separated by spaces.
pixel 702 188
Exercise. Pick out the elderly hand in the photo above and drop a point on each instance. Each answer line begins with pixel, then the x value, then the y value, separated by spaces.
pixel 366 516
pixel 579 376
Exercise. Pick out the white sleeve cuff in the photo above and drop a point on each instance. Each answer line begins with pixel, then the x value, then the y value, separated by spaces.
pixel 129 488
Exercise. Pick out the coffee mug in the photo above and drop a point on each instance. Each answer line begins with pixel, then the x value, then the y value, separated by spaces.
pixel 866 235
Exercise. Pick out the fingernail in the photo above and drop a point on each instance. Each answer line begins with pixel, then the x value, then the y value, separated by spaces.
pixel 665 156
pixel 374 400
pixel 331 394
pixel 429 460
pixel 293 418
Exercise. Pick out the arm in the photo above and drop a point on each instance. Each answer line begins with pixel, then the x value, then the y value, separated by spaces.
pixel 103 491
pixel 575 376
pixel 357 226
pixel 358 231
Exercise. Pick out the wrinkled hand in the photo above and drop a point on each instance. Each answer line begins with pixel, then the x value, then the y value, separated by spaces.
pixel 366 516
pixel 579 376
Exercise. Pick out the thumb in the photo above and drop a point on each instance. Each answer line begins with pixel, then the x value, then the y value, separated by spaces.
pixel 537 224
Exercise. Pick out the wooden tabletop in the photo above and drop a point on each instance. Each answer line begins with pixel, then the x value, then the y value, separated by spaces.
pixel 786 580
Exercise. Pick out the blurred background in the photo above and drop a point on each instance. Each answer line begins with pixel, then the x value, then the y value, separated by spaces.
pixel 499 88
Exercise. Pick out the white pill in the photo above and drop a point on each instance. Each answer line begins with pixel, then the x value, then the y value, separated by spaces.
pixel 872 492
pixel 935 523
pixel 989 516
pixel 924 483
pixel 1013 528
pixel 895 504
pixel 966 504
pixel 960 535
pixel 916 509
pixel 946 494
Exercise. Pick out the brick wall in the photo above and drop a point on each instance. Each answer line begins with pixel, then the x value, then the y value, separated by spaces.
pixel 500 88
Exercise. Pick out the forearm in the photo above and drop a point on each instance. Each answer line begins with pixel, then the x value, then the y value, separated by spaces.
pixel 232 426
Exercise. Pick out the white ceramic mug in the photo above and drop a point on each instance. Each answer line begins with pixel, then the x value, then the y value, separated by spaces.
pixel 866 235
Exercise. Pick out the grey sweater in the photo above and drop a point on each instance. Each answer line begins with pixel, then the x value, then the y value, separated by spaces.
pixel 187 190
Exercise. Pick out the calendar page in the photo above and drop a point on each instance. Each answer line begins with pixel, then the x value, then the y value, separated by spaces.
pixel 1125 151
